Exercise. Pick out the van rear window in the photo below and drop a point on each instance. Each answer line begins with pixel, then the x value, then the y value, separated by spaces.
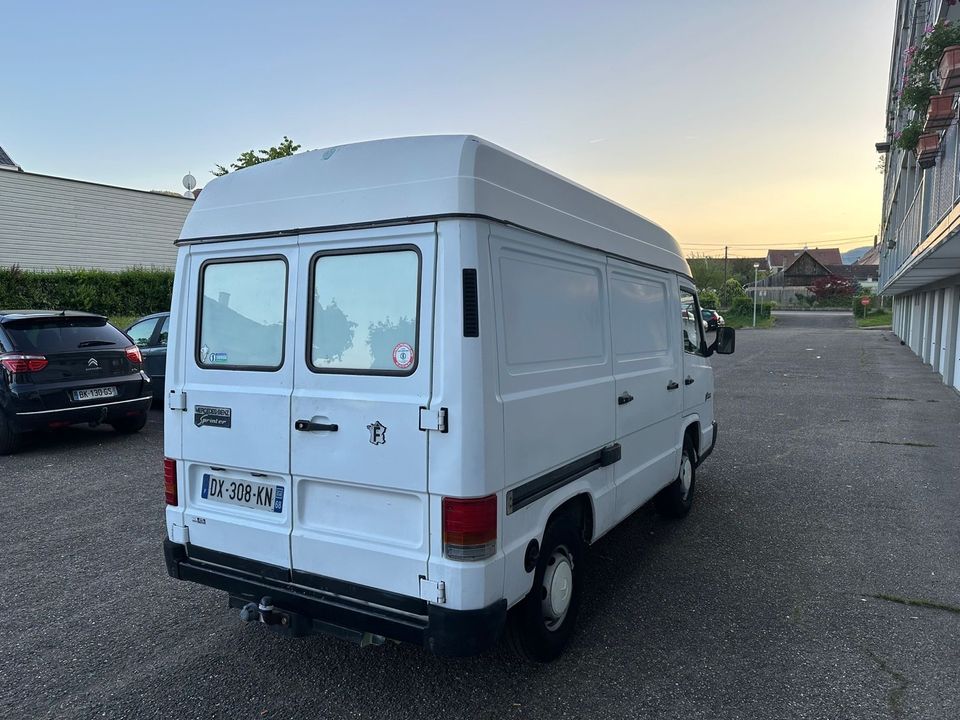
pixel 364 311
pixel 242 314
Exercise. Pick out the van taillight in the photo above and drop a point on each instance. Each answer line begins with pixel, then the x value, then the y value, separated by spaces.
pixel 133 354
pixel 469 527
pixel 170 481
pixel 19 363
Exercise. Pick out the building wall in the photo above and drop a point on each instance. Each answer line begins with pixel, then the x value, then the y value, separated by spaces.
pixel 48 223
pixel 920 248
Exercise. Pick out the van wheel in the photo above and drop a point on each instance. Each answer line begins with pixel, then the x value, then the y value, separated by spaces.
pixel 676 499
pixel 9 438
pixel 541 624
pixel 130 425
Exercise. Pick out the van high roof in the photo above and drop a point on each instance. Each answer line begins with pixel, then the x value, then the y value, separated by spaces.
pixel 383 182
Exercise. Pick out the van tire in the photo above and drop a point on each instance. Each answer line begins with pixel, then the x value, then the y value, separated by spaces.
pixel 130 425
pixel 534 632
pixel 9 438
pixel 676 499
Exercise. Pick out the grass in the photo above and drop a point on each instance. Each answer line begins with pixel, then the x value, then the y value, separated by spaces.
pixel 744 321
pixel 877 318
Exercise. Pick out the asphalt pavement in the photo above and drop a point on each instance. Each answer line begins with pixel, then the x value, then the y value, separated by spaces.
pixel 818 575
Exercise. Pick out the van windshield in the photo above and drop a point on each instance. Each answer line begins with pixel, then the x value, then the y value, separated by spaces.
pixel 364 312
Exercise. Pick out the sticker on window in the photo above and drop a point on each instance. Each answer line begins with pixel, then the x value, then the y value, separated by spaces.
pixel 403 356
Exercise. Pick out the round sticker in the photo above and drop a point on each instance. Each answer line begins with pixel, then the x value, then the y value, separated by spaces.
pixel 403 356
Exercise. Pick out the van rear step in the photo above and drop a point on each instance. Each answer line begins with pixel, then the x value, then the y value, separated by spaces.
pixel 297 625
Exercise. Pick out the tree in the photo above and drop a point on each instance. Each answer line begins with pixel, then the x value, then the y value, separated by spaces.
pixel 833 286
pixel 730 291
pixel 332 333
pixel 709 299
pixel 707 271
pixel 255 157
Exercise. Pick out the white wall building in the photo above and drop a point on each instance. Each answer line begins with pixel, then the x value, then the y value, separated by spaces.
pixel 920 252
pixel 50 222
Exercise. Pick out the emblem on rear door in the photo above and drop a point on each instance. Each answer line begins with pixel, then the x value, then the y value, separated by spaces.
pixel 378 433
pixel 204 416
pixel 92 364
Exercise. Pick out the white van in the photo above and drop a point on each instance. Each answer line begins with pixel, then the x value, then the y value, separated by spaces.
pixel 412 380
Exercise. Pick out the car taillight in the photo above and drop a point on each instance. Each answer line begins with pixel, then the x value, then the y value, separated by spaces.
pixel 19 363
pixel 170 481
pixel 469 527
pixel 133 354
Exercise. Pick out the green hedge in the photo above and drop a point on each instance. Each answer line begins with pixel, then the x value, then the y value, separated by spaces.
pixel 129 292
pixel 743 307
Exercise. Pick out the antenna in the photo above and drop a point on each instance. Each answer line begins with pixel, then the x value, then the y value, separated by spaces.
pixel 189 182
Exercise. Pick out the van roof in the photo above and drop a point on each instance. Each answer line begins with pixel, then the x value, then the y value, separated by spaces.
pixel 420 178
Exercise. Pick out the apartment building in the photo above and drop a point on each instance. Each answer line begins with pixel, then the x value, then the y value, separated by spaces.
pixel 920 248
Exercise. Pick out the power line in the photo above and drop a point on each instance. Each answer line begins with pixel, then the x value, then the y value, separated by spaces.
pixel 773 246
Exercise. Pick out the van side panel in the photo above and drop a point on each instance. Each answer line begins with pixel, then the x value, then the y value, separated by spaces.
pixel 555 381
pixel 467 460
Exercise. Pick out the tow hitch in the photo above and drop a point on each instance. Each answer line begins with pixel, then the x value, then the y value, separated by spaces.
pixel 298 625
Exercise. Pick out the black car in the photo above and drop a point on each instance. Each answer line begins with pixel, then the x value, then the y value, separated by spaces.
pixel 150 335
pixel 63 368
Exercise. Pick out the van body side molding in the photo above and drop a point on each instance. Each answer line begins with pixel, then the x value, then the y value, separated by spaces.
pixel 539 487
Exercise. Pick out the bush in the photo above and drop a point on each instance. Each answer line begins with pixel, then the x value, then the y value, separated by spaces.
pixel 130 292
pixel 709 299
pixel 743 307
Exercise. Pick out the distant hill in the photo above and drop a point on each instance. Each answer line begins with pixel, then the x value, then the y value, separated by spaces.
pixel 851 256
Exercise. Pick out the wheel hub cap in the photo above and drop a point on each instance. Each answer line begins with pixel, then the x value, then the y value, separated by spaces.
pixel 558 588
pixel 686 476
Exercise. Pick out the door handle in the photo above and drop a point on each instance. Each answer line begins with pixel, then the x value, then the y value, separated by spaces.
pixel 688 380
pixel 672 385
pixel 307 426
pixel 624 398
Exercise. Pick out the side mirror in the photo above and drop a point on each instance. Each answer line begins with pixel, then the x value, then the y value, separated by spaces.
pixel 726 341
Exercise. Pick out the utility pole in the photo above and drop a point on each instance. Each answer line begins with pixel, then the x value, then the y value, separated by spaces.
pixel 724 264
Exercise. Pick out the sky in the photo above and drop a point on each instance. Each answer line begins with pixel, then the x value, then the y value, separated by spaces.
pixel 742 123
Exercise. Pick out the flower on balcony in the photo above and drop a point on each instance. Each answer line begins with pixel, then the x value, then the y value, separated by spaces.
pixel 917 86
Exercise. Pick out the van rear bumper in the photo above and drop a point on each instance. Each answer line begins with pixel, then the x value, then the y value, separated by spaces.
pixel 442 630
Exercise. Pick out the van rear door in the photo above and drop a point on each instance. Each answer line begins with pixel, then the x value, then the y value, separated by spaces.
pixel 238 364
pixel 363 371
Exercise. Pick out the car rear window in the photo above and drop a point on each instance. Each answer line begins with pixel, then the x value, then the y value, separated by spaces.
pixel 63 334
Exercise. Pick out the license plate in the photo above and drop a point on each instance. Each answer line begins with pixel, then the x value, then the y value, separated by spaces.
pixel 95 393
pixel 245 493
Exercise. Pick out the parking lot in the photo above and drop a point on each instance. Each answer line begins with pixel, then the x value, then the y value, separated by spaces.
pixel 818 575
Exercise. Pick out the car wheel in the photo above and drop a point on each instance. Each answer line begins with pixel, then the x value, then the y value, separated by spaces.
pixel 676 499
pixel 541 624
pixel 129 425
pixel 9 438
